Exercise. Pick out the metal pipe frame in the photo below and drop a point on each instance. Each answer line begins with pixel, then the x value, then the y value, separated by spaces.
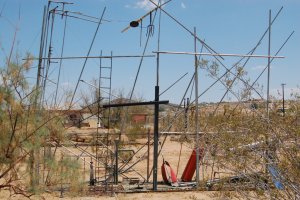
pixel 90 57
pixel 211 54
pixel 135 104
pixel 197 110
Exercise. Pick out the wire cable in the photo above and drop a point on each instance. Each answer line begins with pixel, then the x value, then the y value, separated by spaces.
pixel 61 61
pixel 85 61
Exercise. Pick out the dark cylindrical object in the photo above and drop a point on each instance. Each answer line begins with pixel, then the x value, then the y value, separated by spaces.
pixel 148 155
pixel 283 109
pixel 92 180
pixel 116 161
pixel 134 24
pixel 155 144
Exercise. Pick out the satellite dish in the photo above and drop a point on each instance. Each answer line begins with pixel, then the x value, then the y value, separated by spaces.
pixel 134 24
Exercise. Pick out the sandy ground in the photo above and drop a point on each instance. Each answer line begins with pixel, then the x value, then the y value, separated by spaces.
pixel 172 152
pixel 153 196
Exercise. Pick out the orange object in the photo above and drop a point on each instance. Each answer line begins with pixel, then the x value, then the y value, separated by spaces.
pixel 190 167
pixel 168 173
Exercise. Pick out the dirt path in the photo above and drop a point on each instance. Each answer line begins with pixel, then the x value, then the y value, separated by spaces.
pixel 4 194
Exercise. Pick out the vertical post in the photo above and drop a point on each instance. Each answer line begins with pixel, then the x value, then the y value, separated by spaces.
pixel 156 112
pixel 50 50
pixel 61 54
pixel 155 154
pixel 84 168
pixel 187 114
pixel 267 153
pixel 148 155
pixel 95 171
pixel 196 110
pixel 35 154
pixel 269 62
pixel 156 115
pixel 38 79
pixel 283 109
pixel 92 180
pixel 97 160
pixel 116 161
pixel 61 178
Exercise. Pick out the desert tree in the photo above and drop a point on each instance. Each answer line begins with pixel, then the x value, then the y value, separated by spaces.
pixel 26 129
pixel 260 152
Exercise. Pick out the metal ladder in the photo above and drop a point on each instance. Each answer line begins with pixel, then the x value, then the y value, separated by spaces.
pixel 103 152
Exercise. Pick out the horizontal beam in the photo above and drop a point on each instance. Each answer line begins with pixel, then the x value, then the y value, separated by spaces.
pixel 135 104
pixel 212 54
pixel 91 57
pixel 193 133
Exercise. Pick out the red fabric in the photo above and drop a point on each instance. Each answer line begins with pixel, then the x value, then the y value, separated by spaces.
pixel 190 167
pixel 168 173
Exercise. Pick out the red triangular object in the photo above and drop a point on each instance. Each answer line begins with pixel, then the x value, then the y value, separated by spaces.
pixel 168 174
pixel 190 167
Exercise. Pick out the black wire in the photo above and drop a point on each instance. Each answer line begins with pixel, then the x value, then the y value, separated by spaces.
pixel 218 80
pixel 2 9
pixel 192 89
pixel 228 70
pixel 247 60
pixel 99 23
pixel 60 62
pixel 236 77
pixel 141 61
pixel 84 15
pixel 209 48
pixel 267 66
pixel 136 77
pixel 173 18
pixel 49 53
pixel 77 18
pixel 273 58
pixel 173 84
pixel 202 46
pixel 44 44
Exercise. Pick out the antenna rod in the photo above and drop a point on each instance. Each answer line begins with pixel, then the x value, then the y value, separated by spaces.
pixel 269 65
pixel 197 110
pixel 173 84
pixel 211 54
pixel 90 57
pixel 201 41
